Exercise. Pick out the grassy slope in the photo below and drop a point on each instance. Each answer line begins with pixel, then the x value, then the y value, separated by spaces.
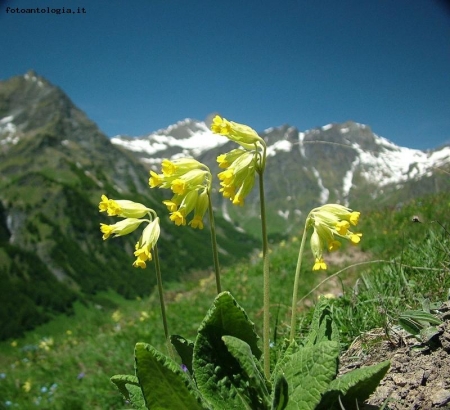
pixel 68 361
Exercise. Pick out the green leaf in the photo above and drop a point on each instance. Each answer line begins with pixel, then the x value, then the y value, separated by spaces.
pixel 251 371
pixel 322 325
pixel 128 385
pixel 413 321
pixel 354 387
pixel 280 393
pixel 164 384
pixel 428 333
pixel 422 317
pixel 409 325
pixel 309 372
pixel 216 371
pixel 185 349
pixel 284 359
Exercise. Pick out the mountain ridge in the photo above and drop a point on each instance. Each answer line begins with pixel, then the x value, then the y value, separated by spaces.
pixel 340 162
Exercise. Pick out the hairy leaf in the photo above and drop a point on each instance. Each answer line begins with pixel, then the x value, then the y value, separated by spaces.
pixel 322 326
pixel 218 374
pixel 128 385
pixel 252 373
pixel 309 372
pixel 163 382
pixel 354 387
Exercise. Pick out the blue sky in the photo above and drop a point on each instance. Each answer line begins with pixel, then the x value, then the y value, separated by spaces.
pixel 138 66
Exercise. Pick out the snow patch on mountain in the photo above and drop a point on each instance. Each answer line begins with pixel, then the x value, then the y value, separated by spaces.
pixel 347 181
pixel 197 138
pixel 283 145
pixel 324 192
pixel 397 164
pixel 8 131
pixel 301 137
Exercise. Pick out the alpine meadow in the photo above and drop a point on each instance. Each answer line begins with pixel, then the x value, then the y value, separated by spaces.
pixel 209 265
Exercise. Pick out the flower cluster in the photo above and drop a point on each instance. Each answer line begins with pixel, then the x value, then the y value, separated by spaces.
pixel 240 164
pixel 190 182
pixel 133 214
pixel 330 222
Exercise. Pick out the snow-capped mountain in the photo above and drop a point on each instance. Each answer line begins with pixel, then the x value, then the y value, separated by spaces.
pixel 345 163
pixel 185 138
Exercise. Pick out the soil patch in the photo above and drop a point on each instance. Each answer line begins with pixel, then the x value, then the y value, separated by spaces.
pixel 419 376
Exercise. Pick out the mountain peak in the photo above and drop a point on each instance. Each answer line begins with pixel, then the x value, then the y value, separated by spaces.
pixel 30 105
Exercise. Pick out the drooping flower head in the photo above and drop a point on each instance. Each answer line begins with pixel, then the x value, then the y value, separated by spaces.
pixel 190 181
pixel 331 222
pixel 133 214
pixel 240 165
pixel 146 243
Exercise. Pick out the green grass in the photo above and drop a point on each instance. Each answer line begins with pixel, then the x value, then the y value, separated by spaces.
pixel 66 363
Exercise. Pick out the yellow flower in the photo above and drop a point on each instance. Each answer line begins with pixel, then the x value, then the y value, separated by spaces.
pixel 228 191
pixel 171 205
pixel 144 316
pixel 334 246
pixel 116 316
pixel 330 221
pixel 179 166
pixel 225 160
pixel 190 181
pixel 319 265
pixel 168 167
pixel 240 165
pixel 342 227
pixel 240 133
pixel 226 176
pixel 46 343
pixel 120 228
pixel 201 206
pixel 196 222
pixel 178 218
pixel 27 386
pixel 178 186
pixel 155 179
pixel 237 181
pixel 122 208
pixel 342 212
pixel 146 243
pixel 354 218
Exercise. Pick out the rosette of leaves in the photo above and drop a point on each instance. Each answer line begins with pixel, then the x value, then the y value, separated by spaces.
pixel 221 369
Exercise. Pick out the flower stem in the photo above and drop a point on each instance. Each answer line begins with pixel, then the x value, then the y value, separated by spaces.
pixel 161 301
pixel 266 274
pixel 214 244
pixel 296 280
